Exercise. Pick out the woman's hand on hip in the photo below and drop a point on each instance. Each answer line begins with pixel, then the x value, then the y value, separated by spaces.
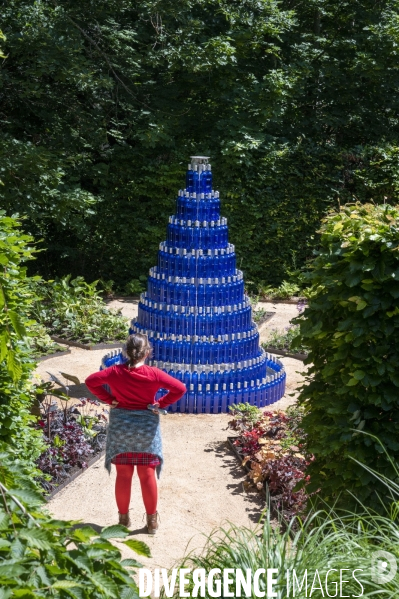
pixel 114 403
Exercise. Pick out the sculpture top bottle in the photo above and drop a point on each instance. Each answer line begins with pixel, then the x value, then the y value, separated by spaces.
pixel 206 179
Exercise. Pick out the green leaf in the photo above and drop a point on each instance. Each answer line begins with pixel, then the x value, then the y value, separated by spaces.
pixel 104 584
pixel 84 534
pixel 131 563
pixel 359 375
pixel 24 593
pixel 17 324
pixel 28 496
pixel 2 298
pixel 129 593
pixel 71 378
pixel 13 365
pixel 11 570
pixel 36 537
pixel 352 382
pixel 56 379
pixel 66 584
pixel 4 338
pixel 4 521
pixel 139 547
pixel 113 532
pixel 361 305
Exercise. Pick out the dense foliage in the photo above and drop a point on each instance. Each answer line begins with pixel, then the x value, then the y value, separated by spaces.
pixel 16 366
pixel 42 557
pixel 351 329
pixel 272 444
pixel 75 310
pixel 102 103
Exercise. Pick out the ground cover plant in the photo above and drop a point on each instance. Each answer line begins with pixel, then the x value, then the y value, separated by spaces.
pixel 74 310
pixel 272 444
pixel 284 339
pixel 351 328
pixel 288 338
pixel 41 343
pixel 42 557
pixel 286 290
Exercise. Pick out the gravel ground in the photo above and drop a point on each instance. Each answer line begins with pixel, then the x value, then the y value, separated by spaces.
pixel 201 485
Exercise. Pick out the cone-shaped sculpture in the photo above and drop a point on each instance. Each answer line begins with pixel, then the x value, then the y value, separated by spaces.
pixel 196 314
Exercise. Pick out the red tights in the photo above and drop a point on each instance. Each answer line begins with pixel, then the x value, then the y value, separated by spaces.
pixel 123 487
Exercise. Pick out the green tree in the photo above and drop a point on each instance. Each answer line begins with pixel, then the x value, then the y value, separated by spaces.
pixel 296 103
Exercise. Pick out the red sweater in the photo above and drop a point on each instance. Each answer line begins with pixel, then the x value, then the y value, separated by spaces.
pixel 134 388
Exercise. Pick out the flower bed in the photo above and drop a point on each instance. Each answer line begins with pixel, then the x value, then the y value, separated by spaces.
pixel 73 435
pixel 271 444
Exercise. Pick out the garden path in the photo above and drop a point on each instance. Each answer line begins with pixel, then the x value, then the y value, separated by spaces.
pixel 201 486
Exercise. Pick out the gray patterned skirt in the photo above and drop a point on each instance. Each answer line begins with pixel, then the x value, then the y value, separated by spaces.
pixel 133 431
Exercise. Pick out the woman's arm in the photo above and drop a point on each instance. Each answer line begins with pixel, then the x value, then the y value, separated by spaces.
pixel 95 383
pixel 176 388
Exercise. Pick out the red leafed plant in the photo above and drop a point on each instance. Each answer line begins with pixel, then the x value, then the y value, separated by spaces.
pixel 272 444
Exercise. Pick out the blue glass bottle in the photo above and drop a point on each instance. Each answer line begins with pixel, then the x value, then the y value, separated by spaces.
pixel 206 179
pixel 200 400
pixel 238 394
pixel 191 400
pixel 245 393
pixel 231 395
pixel 224 399
pixel 203 378
pixel 194 379
pixel 216 400
pixel 189 178
pixel 218 378
pixel 187 379
pixel 196 351
pixel 208 399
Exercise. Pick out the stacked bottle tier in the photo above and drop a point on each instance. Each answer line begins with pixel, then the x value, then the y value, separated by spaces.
pixel 197 263
pixel 204 235
pixel 191 292
pixel 212 389
pixel 204 350
pixel 194 207
pixel 196 320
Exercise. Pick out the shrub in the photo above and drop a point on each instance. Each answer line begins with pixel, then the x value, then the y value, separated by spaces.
pixel 42 557
pixel 351 328
pixel 75 310
pixel 16 365
pixel 135 286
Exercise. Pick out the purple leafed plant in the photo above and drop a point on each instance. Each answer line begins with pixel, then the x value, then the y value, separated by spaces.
pixel 70 444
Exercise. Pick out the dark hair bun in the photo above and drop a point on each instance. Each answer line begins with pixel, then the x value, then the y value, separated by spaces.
pixel 137 347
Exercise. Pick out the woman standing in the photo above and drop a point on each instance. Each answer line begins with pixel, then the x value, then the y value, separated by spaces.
pixel 134 436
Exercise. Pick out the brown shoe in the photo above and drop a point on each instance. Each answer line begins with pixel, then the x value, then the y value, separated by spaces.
pixel 152 523
pixel 124 519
